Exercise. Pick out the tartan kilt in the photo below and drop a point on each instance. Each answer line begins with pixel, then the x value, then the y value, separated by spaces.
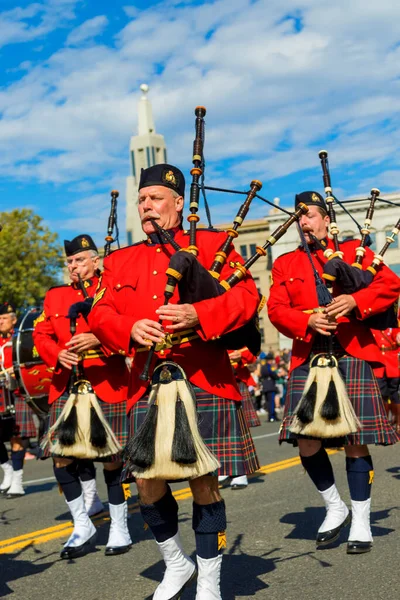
pixel 115 415
pixel 249 411
pixel 222 426
pixel 363 390
pixel 24 424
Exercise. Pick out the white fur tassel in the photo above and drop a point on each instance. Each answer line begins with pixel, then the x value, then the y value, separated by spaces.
pixel 319 427
pixel 82 448
pixel 164 467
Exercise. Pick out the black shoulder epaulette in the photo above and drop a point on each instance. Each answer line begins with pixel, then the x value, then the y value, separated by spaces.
pixel 62 285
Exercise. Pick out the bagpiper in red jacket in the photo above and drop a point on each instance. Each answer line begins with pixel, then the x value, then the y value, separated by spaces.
pixel 388 342
pixel 132 288
pixel 107 374
pixel 240 367
pixel 293 294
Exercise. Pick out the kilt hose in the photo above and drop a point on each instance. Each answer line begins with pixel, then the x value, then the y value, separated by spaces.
pixel 222 426
pixel 363 390
pixel 249 411
pixel 24 424
pixel 115 415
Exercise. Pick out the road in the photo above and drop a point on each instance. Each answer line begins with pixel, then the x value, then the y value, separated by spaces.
pixel 271 551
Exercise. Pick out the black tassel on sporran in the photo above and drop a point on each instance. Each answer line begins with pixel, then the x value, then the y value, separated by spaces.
pixel 98 435
pixel 67 430
pixel 140 450
pixel 183 448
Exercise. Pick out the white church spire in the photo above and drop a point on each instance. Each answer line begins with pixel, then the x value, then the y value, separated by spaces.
pixel 146 122
pixel 146 149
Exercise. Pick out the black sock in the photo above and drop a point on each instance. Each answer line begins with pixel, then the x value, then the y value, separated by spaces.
pixel 360 474
pixel 319 468
pixel 86 469
pixel 209 525
pixel 162 517
pixel 114 486
pixel 3 453
pixel 68 478
pixel 17 458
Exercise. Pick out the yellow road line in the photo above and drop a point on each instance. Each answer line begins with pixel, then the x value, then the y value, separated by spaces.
pixel 57 531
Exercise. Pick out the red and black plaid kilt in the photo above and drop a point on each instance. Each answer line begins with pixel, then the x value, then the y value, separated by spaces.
pixel 362 388
pixel 223 428
pixel 115 415
pixel 24 424
pixel 249 411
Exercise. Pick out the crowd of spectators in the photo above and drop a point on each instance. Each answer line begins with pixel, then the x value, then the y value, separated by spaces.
pixel 271 375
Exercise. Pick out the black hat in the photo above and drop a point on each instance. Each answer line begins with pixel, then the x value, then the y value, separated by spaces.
pixel 80 243
pixel 166 175
pixel 6 308
pixel 311 199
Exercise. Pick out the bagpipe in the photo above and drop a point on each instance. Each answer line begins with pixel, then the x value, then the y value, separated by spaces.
pixel 81 430
pixel 325 410
pixel 352 278
pixel 168 444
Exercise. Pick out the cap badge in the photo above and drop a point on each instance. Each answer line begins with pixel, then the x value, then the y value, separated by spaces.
pixel 315 198
pixel 84 243
pixel 169 176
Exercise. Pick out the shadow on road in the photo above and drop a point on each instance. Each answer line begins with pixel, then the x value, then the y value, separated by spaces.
pixel 395 471
pixel 42 487
pixel 307 522
pixel 14 567
pixel 6 518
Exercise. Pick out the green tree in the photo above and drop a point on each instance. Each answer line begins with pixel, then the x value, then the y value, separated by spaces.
pixel 30 258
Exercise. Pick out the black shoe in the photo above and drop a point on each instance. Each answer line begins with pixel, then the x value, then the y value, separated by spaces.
pixel 76 551
pixel 324 538
pixel 4 492
pixel 114 550
pixel 11 496
pixel 358 547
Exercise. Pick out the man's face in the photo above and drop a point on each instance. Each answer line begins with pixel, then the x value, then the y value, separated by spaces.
pixel 158 202
pixel 7 322
pixel 313 222
pixel 82 263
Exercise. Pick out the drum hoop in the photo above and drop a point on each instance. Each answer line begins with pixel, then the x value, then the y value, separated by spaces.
pixel 17 344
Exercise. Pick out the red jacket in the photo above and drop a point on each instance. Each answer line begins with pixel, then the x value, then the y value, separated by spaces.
pixel 390 350
pixel 294 291
pixel 132 288
pixel 108 375
pixel 240 368
pixel 6 360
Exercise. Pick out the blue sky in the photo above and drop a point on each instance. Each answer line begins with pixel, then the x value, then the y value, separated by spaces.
pixel 280 79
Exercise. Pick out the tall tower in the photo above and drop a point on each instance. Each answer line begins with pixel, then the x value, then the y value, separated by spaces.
pixel 146 149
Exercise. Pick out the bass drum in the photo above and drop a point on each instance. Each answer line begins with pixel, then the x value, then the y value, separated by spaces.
pixel 7 411
pixel 32 375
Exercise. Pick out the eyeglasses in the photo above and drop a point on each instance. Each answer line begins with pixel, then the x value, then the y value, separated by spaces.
pixel 78 261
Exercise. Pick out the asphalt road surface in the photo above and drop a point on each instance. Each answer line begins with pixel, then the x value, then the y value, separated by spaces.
pixel 271 531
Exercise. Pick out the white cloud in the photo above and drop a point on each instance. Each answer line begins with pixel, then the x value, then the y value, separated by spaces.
pixel 87 31
pixel 35 20
pixel 274 93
